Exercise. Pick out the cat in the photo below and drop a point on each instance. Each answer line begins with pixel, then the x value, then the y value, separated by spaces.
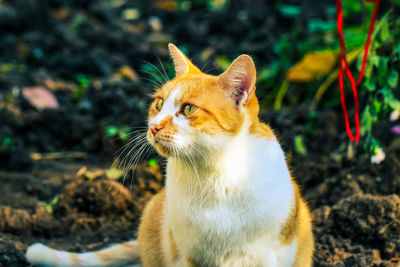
pixel 229 198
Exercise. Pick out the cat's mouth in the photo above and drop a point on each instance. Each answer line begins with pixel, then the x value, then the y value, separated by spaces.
pixel 162 143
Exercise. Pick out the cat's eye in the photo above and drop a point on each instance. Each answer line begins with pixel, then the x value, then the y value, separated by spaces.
pixel 188 109
pixel 159 104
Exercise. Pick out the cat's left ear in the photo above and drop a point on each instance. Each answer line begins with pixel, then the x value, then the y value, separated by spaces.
pixel 239 79
pixel 181 62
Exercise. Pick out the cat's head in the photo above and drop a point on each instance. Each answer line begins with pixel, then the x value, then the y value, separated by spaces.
pixel 196 111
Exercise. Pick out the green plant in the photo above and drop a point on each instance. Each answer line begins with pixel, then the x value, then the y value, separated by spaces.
pixel 153 164
pixel 50 205
pixel 7 144
pixel 377 93
pixel 80 91
pixel 122 132
pixel 381 80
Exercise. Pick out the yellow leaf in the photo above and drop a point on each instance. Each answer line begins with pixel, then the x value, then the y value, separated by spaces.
pixel 312 66
pixel 168 5
pixel 351 56
pixel 114 173
pixel 207 53
pixel 125 72
pixel 90 175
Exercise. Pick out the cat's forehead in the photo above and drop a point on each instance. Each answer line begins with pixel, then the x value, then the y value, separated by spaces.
pixel 188 88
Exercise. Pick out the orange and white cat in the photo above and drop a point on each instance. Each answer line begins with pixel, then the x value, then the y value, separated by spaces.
pixel 229 198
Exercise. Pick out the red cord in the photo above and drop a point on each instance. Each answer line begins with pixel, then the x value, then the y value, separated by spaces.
pixel 343 65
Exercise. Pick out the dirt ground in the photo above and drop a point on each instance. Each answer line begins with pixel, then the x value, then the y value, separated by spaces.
pixel 355 204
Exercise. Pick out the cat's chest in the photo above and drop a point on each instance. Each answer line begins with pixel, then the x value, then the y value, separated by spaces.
pixel 248 193
pixel 212 229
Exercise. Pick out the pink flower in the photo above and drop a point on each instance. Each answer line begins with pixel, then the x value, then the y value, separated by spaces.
pixel 396 129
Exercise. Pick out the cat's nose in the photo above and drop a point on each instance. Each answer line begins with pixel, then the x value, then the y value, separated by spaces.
pixel 155 128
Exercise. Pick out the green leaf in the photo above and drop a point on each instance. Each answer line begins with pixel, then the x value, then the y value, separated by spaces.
pixel 351 6
pixel 383 70
pixel 217 4
pixel 385 32
pixel 289 10
pixel 50 206
pixel 389 99
pixel 377 106
pixel 374 145
pixel 82 80
pixel 111 130
pixel 268 73
pixel 370 84
pixel 318 25
pixel 374 60
pixel 7 144
pixel 77 22
pixel 123 133
pixel 354 39
pixel 222 62
pixel 299 146
pixel 393 79
pixel 368 118
pixel 153 163
pixel 54 201
pixel 398 47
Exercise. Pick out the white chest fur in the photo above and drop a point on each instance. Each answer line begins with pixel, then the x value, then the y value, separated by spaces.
pixel 241 195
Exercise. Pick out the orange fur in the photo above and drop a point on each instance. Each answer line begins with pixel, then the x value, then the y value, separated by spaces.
pixel 149 234
pixel 226 105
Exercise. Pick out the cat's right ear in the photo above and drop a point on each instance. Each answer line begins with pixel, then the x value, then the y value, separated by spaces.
pixel 182 64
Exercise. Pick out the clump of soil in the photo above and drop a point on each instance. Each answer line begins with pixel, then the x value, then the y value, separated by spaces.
pixel 89 214
pixel 358 230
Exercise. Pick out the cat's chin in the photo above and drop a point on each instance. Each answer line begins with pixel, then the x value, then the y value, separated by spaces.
pixel 163 150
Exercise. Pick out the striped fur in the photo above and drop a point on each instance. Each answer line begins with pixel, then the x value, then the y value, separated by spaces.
pixel 115 255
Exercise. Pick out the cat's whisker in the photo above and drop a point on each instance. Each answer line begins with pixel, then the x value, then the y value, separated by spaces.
pixel 126 161
pixel 186 165
pixel 154 66
pixel 132 165
pixel 205 65
pixel 159 81
pixel 200 152
pixel 124 148
pixel 195 169
pixel 162 66
pixel 150 80
pixel 139 142
pixel 134 156
pixel 130 142
pixel 144 149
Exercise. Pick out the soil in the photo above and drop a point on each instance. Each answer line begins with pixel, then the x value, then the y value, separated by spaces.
pixel 355 204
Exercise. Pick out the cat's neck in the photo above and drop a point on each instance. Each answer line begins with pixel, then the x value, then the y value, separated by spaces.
pixel 229 168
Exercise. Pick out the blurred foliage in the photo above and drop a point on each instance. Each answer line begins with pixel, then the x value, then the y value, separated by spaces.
pixel 80 91
pixel 122 132
pixel 187 5
pixel 153 164
pixel 305 66
pixel 7 144
pixel 318 66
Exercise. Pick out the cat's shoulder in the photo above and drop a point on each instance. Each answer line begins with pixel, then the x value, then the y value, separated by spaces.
pixel 262 130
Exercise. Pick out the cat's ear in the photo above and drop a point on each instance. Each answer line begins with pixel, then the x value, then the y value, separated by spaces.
pixel 181 62
pixel 239 79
